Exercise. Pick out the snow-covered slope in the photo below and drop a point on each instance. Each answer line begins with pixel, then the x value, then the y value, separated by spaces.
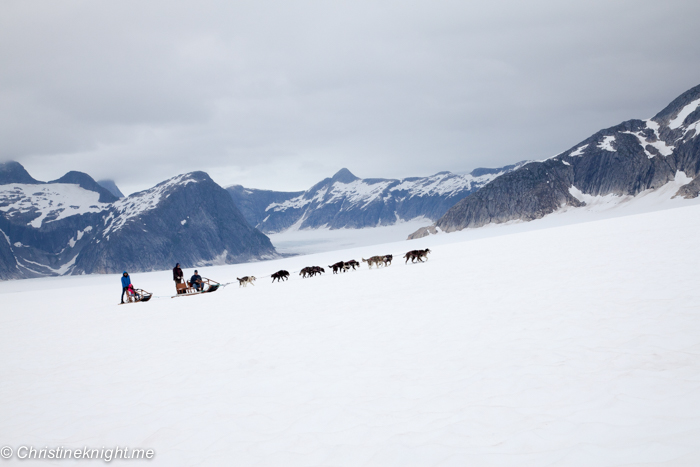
pixel 577 345
pixel 45 226
pixel 64 227
pixel 346 201
pixel 625 160
pixel 47 203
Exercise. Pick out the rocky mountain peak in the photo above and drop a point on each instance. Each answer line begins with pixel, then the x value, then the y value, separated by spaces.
pixel 344 176
pixel 14 172
pixel 680 104
pixel 112 187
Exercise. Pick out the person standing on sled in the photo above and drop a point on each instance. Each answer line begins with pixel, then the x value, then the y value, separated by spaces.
pixel 126 282
pixel 196 281
pixel 177 274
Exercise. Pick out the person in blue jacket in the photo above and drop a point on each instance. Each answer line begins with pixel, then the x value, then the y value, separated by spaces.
pixel 126 282
pixel 196 281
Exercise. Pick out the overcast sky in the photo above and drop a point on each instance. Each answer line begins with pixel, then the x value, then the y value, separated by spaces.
pixel 280 94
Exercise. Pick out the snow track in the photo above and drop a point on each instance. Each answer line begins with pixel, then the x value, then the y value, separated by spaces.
pixel 574 345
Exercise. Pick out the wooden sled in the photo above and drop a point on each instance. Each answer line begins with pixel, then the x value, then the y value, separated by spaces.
pixel 140 296
pixel 186 289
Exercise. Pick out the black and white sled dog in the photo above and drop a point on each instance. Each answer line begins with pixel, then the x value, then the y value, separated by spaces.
pixel 245 280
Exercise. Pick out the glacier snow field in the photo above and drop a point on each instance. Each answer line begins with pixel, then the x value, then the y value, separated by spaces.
pixel 572 345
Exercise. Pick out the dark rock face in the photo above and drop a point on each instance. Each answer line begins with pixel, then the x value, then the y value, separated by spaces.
pixel 534 192
pixel 691 190
pixel 627 159
pixel 13 172
pixel 346 201
pixel 112 187
pixel 66 229
pixel 8 264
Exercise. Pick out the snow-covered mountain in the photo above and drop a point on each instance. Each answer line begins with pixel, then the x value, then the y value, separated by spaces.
pixel 346 201
pixel 75 226
pixel 622 161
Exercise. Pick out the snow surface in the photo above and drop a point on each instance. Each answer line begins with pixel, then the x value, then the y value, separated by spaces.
pixel 606 144
pixel 578 151
pixel 694 127
pixel 54 200
pixel 307 241
pixel 355 193
pixel 660 145
pixel 683 114
pixel 573 345
pixel 443 183
pixel 651 124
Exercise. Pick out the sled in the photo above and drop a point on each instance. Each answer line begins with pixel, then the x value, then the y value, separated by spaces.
pixel 186 289
pixel 140 296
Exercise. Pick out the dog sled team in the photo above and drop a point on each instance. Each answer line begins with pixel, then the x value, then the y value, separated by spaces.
pixel 345 266
pixel 198 284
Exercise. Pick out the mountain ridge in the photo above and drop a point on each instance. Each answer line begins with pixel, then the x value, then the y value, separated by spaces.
pixel 625 159
pixel 63 227
pixel 347 201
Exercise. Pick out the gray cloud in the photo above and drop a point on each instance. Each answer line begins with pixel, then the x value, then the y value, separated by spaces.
pixel 274 94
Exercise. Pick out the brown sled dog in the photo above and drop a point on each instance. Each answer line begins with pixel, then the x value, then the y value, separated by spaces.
pixel 414 255
pixel 311 271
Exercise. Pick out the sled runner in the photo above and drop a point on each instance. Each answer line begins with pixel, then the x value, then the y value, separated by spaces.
pixel 137 295
pixel 187 289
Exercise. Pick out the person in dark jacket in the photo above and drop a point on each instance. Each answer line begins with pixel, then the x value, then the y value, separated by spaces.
pixel 126 282
pixel 177 274
pixel 196 281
